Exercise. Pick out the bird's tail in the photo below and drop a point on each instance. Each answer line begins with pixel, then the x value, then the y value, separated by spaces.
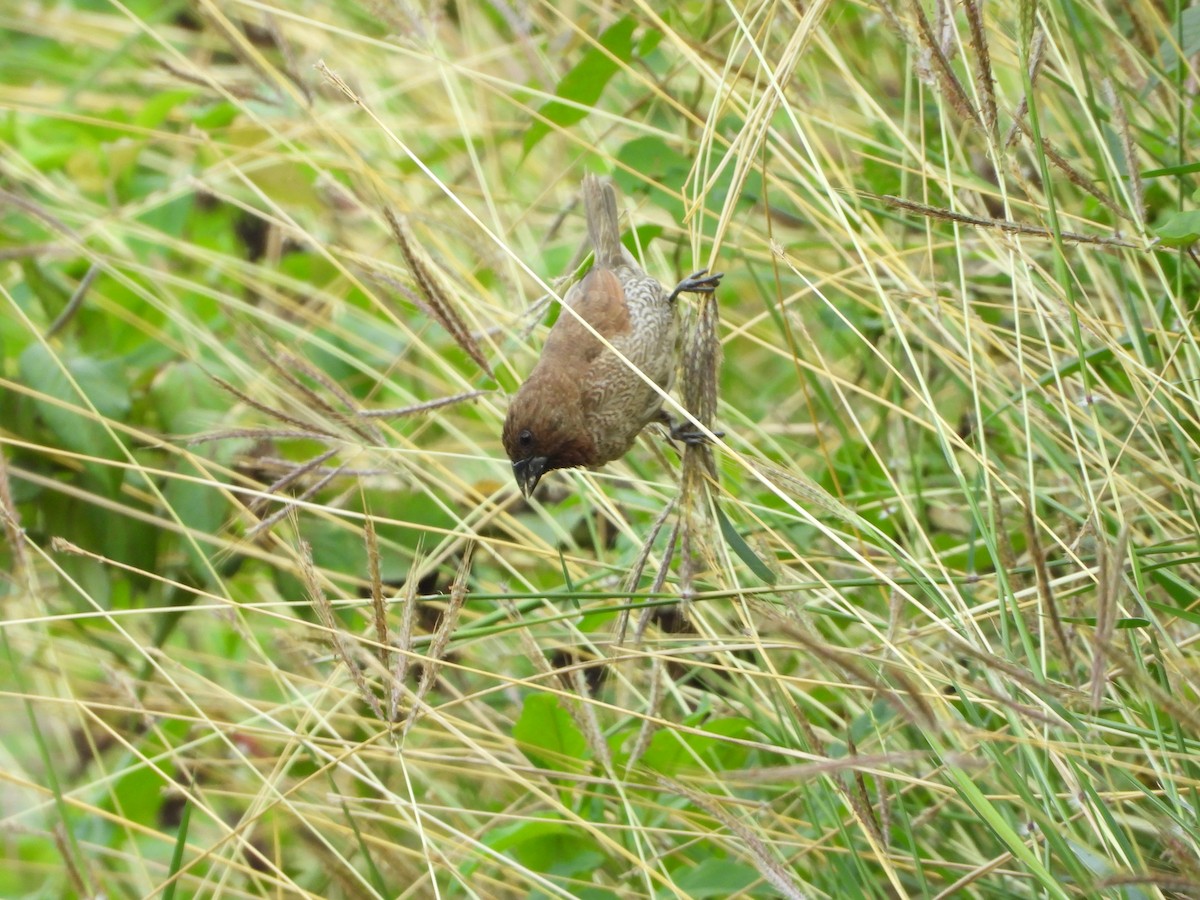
pixel 600 202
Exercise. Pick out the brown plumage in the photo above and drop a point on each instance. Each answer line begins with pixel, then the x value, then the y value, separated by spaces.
pixel 582 405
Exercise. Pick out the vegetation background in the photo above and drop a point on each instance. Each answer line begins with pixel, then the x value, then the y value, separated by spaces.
pixel 921 623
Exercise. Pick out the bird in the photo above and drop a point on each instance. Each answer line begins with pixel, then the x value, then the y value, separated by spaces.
pixel 581 404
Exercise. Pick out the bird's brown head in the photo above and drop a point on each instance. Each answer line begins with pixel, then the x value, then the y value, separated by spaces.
pixel 544 430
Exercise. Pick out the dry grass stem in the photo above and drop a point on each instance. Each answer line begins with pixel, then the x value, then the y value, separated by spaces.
pixel 441 637
pixel 943 72
pixel 986 82
pixel 1008 226
pixel 333 629
pixel 434 289
pixel 404 639
pixel 378 607
pixel 761 857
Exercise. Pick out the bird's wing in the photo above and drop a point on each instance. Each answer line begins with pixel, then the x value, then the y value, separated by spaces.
pixel 598 299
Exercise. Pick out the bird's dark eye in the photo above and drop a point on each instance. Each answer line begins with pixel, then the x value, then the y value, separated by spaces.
pixel 525 438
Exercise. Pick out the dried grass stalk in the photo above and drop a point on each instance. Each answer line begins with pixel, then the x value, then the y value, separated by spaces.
pixel 434 289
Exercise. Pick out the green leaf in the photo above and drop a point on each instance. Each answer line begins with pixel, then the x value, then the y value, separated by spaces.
pixel 48 290
pixel 187 400
pixel 1189 22
pixel 714 878
pixel 1188 615
pixel 157 107
pixel 170 218
pixel 1184 169
pixel 548 736
pixel 667 752
pixel 584 84
pixel 1179 229
pixel 547 845
pixel 651 39
pixel 670 752
pixel 220 115
pixel 1125 623
pixel 137 794
pixel 742 550
pixel 869 722
pixel 185 821
pixel 649 166
pixel 652 161
pixel 1179 589
pixel 202 510
pixel 639 239
pixel 102 381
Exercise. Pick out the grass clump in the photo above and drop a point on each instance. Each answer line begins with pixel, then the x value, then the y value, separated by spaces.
pixel 276 621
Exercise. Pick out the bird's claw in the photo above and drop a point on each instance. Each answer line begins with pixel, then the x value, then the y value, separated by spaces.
pixel 683 431
pixel 697 283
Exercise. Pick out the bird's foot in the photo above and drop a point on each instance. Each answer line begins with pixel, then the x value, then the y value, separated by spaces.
pixel 686 432
pixel 697 283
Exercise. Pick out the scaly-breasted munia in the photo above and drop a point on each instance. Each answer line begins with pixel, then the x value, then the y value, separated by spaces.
pixel 582 405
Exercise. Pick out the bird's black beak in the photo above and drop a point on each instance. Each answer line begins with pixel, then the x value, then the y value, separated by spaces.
pixel 529 472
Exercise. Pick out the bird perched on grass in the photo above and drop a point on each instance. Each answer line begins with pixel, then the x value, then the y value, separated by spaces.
pixel 582 405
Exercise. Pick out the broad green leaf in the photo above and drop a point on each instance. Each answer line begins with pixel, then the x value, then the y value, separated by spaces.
pixel 869 722
pixel 137 795
pixel 714 877
pixel 187 400
pixel 202 509
pixel 170 218
pixel 672 751
pixel 157 107
pixel 652 167
pixel 1189 21
pixel 220 115
pixel 639 239
pixel 41 872
pixel 650 160
pixel 1180 229
pixel 584 84
pixel 547 845
pixel 548 735
pixel 75 427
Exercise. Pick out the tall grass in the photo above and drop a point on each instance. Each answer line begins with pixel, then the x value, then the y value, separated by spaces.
pixel 917 621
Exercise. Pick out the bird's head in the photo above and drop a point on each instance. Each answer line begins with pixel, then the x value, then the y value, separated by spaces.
pixel 544 430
